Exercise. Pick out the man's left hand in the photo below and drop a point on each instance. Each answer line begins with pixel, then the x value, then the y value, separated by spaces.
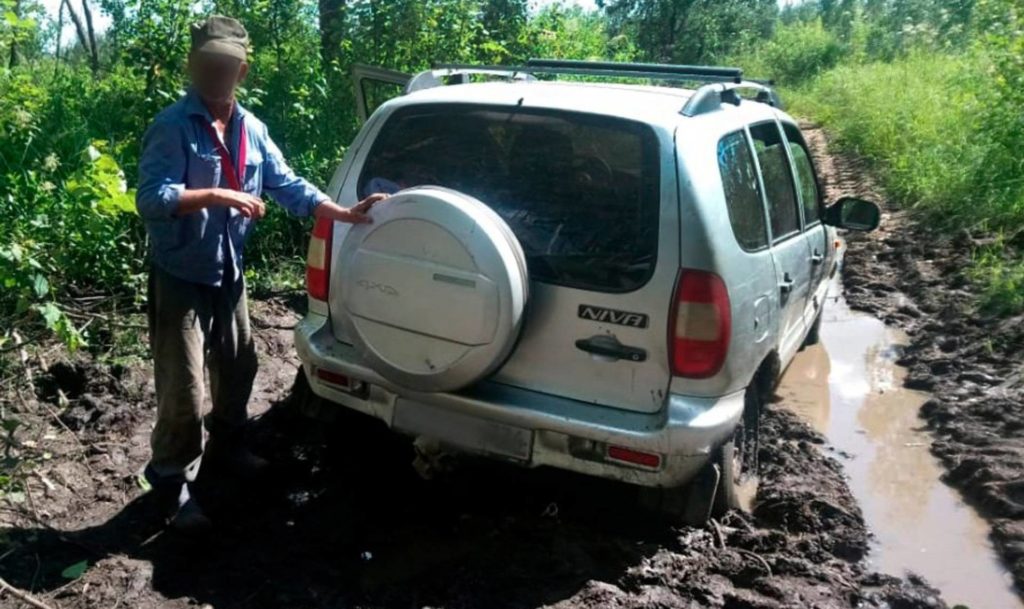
pixel 357 214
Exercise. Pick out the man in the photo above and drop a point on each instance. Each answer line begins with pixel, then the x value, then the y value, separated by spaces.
pixel 205 163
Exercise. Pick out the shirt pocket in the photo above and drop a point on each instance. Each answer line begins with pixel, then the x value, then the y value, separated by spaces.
pixel 204 170
pixel 253 182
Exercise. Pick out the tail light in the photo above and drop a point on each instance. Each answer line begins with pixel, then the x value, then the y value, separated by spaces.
pixel 318 260
pixel 700 326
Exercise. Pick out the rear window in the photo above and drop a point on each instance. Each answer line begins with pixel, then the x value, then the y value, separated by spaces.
pixel 581 192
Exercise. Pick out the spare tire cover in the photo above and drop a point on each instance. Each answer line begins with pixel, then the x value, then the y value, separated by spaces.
pixel 433 290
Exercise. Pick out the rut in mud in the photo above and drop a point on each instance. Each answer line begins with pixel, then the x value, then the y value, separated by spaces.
pixel 344 521
pixel 972 363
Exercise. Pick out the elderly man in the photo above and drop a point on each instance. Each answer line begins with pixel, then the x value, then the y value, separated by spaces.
pixel 205 163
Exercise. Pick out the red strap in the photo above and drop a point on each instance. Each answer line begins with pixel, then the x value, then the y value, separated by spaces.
pixel 232 174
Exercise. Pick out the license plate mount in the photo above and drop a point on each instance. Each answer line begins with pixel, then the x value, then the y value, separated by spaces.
pixel 463 431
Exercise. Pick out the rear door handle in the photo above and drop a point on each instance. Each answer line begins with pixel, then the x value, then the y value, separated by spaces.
pixel 817 258
pixel 608 346
pixel 786 285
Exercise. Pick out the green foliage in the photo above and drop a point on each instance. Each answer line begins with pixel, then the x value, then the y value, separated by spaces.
pixel 1001 277
pixel 691 31
pixel 798 51
pixel 69 138
pixel 940 119
pixel 922 140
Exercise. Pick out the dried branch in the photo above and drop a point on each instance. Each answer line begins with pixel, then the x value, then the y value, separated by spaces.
pixel 23 596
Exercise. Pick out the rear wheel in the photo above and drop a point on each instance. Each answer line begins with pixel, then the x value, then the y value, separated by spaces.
pixel 739 461
pixel 728 481
pixel 306 403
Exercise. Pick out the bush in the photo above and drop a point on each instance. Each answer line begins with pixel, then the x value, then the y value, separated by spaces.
pixel 797 52
pixel 941 135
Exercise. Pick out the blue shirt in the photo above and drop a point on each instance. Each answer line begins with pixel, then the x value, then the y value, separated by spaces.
pixel 177 154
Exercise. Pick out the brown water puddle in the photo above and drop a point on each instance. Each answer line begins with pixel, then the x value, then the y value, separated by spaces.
pixel 849 388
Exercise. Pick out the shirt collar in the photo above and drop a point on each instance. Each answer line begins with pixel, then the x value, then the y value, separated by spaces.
pixel 194 107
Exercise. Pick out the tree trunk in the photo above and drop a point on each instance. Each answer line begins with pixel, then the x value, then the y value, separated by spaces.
pixel 94 52
pixel 13 61
pixel 79 28
pixel 332 29
pixel 60 39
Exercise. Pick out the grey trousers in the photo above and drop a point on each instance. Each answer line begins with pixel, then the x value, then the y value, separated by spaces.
pixel 194 327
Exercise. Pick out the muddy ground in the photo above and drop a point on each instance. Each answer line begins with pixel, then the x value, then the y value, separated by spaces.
pixel 345 522
pixel 971 362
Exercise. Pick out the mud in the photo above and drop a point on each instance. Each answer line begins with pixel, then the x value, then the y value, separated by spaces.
pixel 970 362
pixel 850 389
pixel 344 521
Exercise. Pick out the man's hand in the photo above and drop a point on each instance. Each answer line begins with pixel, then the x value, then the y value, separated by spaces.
pixel 353 215
pixel 246 204
pixel 195 199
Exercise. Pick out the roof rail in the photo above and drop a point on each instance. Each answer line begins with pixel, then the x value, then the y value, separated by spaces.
pixel 711 97
pixel 659 71
pixel 429 79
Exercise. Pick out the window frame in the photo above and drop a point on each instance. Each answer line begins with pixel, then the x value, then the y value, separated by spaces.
pixel 820 203
pixel 651 145
pixel 744 133
pixel 776 240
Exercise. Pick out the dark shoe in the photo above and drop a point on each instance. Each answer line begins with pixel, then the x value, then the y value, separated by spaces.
pixel 233 458
pixel 163 483
pixel 189 517
pixel 173 498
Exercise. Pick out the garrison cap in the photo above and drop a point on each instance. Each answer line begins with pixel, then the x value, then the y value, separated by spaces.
pixel 220 35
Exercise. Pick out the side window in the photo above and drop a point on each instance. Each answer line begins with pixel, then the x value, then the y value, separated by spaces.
pixel 783 209
pixel 742 199
pixel 804 174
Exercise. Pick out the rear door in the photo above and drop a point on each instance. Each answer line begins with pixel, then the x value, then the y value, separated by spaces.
pixel 789 247
pixel 592 200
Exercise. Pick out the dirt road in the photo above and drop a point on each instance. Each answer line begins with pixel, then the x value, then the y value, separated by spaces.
pixel 344 521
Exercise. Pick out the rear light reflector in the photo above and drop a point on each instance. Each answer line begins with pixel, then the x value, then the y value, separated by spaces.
pixel 636 457
pixel 333 378
pixel 318 259
pixel 700 325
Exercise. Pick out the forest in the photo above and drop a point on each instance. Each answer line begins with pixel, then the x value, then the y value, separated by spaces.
pixel 929 92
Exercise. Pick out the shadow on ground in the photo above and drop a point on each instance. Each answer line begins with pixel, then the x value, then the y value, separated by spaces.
pixel 345 520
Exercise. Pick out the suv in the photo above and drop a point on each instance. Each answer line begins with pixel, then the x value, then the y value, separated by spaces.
pixel 599 277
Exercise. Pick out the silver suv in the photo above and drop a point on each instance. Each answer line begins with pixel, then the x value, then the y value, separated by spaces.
pixel 599 277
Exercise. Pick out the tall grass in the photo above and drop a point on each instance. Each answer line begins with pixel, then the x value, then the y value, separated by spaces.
pixel 937 134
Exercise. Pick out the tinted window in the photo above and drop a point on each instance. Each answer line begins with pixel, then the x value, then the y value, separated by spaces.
pixel 580 192
pixel 778 180
pixel 742 199
pixel 804 174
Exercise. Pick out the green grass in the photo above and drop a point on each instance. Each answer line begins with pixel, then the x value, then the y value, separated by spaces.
pixel 937 137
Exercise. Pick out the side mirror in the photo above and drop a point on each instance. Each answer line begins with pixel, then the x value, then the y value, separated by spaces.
pixel 852 213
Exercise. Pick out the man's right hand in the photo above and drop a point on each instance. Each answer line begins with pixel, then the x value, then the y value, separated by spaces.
pixel 246 204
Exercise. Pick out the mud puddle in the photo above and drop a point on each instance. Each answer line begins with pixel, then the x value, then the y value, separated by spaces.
pixel 849 389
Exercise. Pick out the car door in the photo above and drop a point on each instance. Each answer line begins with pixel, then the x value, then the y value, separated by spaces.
pixel 819 244
pixel 789 247
pixel 374 86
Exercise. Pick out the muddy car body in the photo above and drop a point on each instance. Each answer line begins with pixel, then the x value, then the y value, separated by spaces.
pixel 597 277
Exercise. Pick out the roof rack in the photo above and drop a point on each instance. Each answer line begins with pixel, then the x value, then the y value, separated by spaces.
pixel 723 82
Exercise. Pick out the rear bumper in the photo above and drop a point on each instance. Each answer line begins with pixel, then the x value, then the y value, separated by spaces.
pixel 563 433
